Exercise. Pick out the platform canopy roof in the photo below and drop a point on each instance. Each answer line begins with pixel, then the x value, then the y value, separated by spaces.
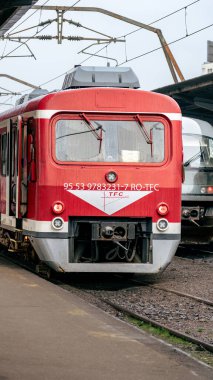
pixel 194 96
pixel 11 11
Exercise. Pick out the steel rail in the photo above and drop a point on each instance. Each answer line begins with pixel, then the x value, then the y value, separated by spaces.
pixel 199 299
pixel 189 338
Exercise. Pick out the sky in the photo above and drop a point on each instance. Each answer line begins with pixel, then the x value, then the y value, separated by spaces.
pixel 54 60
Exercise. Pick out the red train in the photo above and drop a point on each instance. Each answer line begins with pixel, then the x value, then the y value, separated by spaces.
pixel 91 175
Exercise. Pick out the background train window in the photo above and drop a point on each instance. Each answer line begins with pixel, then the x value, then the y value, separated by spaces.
pixel 110 141
pixel 4 154
pixel 198 151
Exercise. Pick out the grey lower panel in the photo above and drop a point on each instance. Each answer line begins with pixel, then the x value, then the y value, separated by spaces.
pixel 196 198
pixel 55 253
pixel 56 235
pixel 166 236
pixel 46 235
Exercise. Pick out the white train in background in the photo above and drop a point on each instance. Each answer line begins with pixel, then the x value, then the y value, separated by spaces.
pixel 197 189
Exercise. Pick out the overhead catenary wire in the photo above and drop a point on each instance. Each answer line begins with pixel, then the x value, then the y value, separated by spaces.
pixel 23 43
pixel 18 47
pixel 168 15
pixel 32 14
pixel 169 43
pixel 163 17
pixel 139 56
pixel 61 75
pixel 131 59
pixel 149 52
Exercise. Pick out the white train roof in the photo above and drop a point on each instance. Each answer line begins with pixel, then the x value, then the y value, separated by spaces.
pixel 196 127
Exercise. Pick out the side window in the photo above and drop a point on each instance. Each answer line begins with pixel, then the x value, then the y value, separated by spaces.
pixel 4 155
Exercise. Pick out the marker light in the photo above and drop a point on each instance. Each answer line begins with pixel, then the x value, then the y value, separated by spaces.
pixel 162 209
pixel 162 224
pixel 57 223
pixel 206 190
pixel 58 207
pixel 111 177
pixel 210 190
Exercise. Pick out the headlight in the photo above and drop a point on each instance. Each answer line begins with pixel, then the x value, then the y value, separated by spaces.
pixel 57 223
pixel 162 224
pixel 203 190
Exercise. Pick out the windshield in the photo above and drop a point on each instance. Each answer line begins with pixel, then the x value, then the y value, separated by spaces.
pixel 198 151
pixel 109 140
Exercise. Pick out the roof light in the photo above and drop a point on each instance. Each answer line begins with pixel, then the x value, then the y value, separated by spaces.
pixel 111 177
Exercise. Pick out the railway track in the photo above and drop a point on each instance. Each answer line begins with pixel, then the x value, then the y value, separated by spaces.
pixel 101 294
pixel 174 332
pixel 127 312
pixel 199 299
pixel 195 252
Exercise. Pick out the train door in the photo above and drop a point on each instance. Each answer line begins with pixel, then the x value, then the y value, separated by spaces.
pixel 13 167
pixel 18 170
pixel 23 173
pixel 3 169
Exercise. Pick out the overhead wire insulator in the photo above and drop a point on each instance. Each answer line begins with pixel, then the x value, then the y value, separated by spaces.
pixel 46 22
pixel 74 23
pixel 74 38
pixel 45 37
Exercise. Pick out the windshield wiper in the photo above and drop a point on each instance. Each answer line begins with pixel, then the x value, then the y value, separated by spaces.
pixel 193 158
pixel 76 133
pixel 93 130
pixel 143 129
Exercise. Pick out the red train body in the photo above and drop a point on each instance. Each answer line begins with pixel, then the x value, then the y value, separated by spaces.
pixel 91 179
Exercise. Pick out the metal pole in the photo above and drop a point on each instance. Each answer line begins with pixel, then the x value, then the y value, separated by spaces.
pixel 19 81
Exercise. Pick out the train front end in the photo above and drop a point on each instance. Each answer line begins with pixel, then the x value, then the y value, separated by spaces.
pixel 197 190
pixel 109 186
